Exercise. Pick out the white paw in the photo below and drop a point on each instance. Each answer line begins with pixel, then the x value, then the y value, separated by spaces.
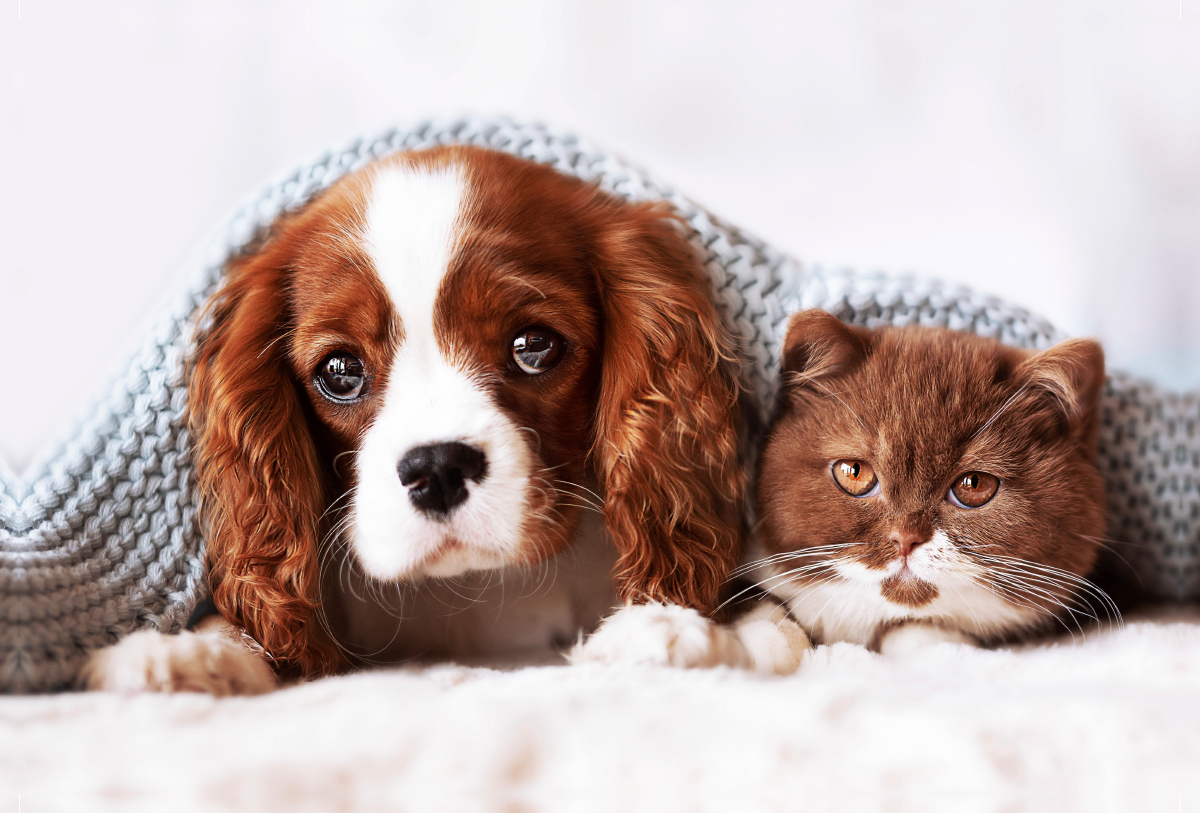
pixel 913 639
pixel 149 661
pixel 661 635
pixel 774 642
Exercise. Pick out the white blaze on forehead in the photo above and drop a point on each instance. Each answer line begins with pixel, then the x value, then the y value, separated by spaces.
pixel 411 229
pixel 413 221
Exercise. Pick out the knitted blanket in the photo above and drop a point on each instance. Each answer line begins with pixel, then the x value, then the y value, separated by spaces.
pixel 101 536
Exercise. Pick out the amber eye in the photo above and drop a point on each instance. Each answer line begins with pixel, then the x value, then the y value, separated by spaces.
pixel 855 477
pixel 341 377
pixel 536 349
pixel 973 489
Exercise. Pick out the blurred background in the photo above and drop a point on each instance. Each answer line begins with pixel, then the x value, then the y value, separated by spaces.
pixel 1048 153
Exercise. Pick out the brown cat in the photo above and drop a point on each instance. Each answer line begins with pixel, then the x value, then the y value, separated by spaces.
pixel 922 484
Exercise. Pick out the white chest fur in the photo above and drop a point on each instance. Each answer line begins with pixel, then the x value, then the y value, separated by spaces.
pixel 513 610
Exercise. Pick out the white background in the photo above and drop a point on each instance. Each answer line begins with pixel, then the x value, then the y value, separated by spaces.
pixel 1046 152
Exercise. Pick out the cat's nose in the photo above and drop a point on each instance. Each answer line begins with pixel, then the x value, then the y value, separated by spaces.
pixel 908 541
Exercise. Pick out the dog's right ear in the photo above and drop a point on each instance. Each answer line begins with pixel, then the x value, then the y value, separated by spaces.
pixel 257 469
pixel 818 345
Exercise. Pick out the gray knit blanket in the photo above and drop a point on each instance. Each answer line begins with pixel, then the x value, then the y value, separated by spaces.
pixel 101 537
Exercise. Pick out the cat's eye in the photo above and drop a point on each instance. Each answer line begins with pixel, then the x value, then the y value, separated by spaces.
pixel 341 377
pixel 973 489
pixel 535 349
pixel 855 477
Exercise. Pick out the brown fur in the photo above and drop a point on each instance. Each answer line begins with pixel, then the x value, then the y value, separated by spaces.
pixel 923 406
pixel 643 398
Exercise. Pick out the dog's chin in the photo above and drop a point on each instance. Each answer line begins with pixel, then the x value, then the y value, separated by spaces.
pixel 453 558
pixel 444 556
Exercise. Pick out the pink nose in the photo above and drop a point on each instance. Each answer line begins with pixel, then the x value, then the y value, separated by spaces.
pixel 907 541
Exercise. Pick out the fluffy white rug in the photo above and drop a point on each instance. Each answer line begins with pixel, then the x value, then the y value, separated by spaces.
pixel 1110 722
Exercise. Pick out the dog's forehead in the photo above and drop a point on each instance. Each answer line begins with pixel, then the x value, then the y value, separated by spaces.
pixel 458 238
pixel 413 227
pixel 447 252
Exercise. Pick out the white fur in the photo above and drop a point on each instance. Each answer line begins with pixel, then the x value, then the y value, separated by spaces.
pixel 915 639
pixel 774 642
pixel 1106 722
pixel 662 635
pixel 207 662
pixel 433 396
pixel 851 607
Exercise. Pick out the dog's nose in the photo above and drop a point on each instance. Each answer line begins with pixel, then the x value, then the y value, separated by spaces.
pixel 436 475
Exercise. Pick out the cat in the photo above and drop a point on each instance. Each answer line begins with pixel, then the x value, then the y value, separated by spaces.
pixel 922 485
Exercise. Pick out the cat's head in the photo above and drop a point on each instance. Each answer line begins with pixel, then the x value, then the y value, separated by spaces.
pixel 921 473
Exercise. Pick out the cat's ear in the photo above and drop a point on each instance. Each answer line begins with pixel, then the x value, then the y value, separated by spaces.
pixel 819 345
pixel 1071 375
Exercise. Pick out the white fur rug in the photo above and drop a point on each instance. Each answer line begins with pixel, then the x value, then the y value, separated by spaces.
pixel 1106 723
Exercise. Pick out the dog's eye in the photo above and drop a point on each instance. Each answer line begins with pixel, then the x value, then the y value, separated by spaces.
pixel 855 477
pixel 973 489
pixel 341 377
pixel 536 349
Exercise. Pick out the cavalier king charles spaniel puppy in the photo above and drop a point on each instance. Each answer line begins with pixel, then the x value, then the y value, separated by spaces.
pixel 427 375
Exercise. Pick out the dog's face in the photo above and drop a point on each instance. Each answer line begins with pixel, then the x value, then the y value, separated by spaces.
pixel 450 353
pixel 433 361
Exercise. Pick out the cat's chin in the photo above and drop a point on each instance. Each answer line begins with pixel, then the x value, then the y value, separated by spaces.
pixel 908 590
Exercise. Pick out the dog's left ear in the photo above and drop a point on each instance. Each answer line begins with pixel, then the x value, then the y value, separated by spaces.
pixel 667 428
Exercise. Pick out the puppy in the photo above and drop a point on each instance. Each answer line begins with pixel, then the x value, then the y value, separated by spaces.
pixel 431 372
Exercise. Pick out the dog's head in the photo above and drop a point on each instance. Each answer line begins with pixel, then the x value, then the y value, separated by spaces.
pixel 431 359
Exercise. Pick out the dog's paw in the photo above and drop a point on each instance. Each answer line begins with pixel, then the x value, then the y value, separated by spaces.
pixel 913 639
pixel 774 643
pixel 149 661
pixel 661 635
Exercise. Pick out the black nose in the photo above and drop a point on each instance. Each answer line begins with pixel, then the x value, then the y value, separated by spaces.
pixel 436 475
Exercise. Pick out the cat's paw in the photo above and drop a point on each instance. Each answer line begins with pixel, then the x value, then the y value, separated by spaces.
pixel 150 661
pixel 912 639
pixel 661 635
pixel 773 641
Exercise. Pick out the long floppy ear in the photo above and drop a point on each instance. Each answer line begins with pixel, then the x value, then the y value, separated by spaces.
pixel 257 470
pixel 1069 377
pixel 819 345
pixel 667 424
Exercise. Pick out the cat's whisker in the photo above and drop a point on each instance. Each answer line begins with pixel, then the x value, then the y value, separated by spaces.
pixel 818 582
pixel 1064 579
pixel 1046 586
pixel 975 619
pixel 1049 571
pixel 833 594
pixel 848 605
pixel 1108 544
pixel 1007 594
pixel 1041 589
pixel 1074 612
pixel 794 575
pixel 788 556
pixel 787 578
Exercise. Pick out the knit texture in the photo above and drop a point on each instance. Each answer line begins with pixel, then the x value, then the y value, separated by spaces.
pixel 101 537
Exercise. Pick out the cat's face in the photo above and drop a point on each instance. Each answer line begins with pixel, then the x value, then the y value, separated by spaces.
pixel 926 474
